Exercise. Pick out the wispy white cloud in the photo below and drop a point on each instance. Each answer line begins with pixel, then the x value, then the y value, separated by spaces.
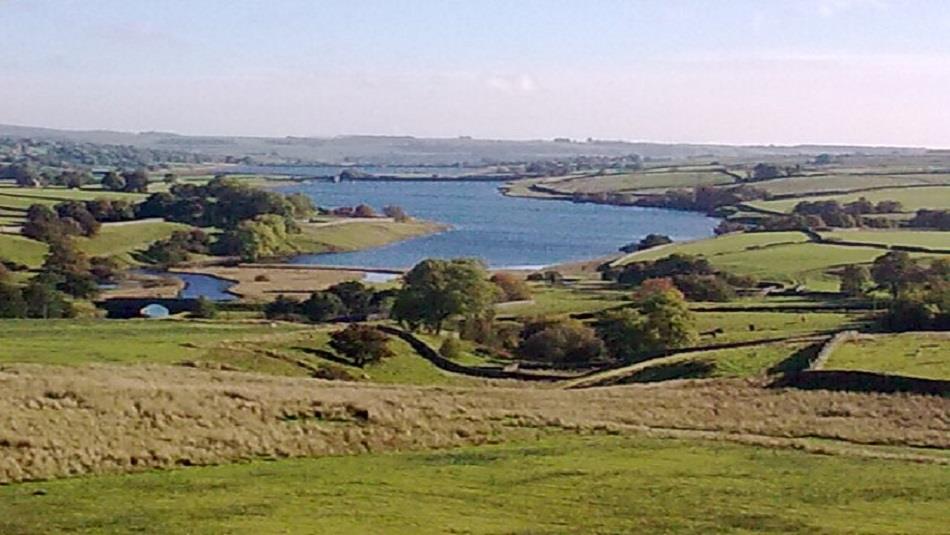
pixel 519 84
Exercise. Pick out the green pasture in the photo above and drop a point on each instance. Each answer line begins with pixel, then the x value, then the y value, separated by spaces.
pixel 913 354
pixel 655 180
pixel 799 185
pixel 559 484
pixel 912 199
pixel 915 238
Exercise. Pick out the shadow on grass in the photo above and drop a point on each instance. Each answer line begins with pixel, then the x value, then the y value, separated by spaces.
pixel 687 369
pixel 798 361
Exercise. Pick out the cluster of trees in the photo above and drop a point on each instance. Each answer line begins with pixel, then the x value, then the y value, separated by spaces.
pixel 694 276
pixel 71 154
pixel 658 320
pixel 920 292
pixel 129 181
pixel 703 198
pixel 769 171
pixel 224 202
pixel 66 272
pixel 831 213
pixel 178 247
pixel 935 219
pixel 346 300
pixel 648 242
pixel 52 226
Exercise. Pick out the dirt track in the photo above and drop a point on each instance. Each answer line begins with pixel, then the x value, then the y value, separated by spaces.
pixel 57 422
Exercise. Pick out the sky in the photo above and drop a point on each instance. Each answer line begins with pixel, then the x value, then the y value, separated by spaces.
pixel 868 72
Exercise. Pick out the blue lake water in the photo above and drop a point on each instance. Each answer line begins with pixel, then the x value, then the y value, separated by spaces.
pixel 502 231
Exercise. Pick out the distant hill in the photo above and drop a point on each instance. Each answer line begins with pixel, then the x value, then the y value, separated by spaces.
pixel 405 150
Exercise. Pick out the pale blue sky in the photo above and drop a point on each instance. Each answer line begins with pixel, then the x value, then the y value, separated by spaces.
pixel 823 71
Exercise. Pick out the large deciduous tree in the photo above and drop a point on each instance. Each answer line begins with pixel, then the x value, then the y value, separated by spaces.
pixel 436 290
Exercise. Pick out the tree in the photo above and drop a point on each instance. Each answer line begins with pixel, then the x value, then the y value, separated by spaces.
pixel 649 241
pixel 302 205
pixel 136 181
pixel 282 307
pixel 44 302
pixel 894 271
pixel 263 237
pixel 564 341
pixel 436 290
pixel 705 287
pixel 659 320
pixel 395 212
pixel 69 270
pixel 355 297
pixel 364 210
pixel 112 181
pixel 205 308
pixel 361 344
pixel 512 287
pixel 322 306
pixel 43 224
pixel 854 280
pixel 25 175
pixel 12 304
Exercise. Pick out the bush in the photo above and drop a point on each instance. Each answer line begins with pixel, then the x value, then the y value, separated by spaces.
pixel 704 288
pixel 283 308
pixel 451 348
pixel 361 344
pixel 205 308
pixel 512 287
pixel 561 342
pixel 322 306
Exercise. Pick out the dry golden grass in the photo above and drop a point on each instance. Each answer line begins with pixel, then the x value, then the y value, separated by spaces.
pixel 59 421
pixel 285 280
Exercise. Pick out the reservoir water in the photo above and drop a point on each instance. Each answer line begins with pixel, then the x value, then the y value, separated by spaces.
pixel 502 231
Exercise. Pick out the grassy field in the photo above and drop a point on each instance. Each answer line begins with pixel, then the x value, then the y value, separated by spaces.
pixel 354 235
pixel 22 250
pixel 784 257
pixel 559 484
pixel 913 354
pixel 652 180
pixel 125 342
pixel 730 243
pixel 933 197
pixel 736 325
pixel 847 182
pixel 255 347
pixel 917 238
pixel 116 239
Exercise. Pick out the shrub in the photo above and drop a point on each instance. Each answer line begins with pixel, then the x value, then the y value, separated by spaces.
pixel 205 308
pixel 512 287
pixel 451 348
pixel 361 344
pixel 322 306
pixel 561 342
pixel 704 288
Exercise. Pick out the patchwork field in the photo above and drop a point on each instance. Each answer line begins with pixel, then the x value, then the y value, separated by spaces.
pixel 785 257
pixel 912 354
pixel 929 239
pixel 647 180
pixel 625 484
pixel 912 199
pixel 798 185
